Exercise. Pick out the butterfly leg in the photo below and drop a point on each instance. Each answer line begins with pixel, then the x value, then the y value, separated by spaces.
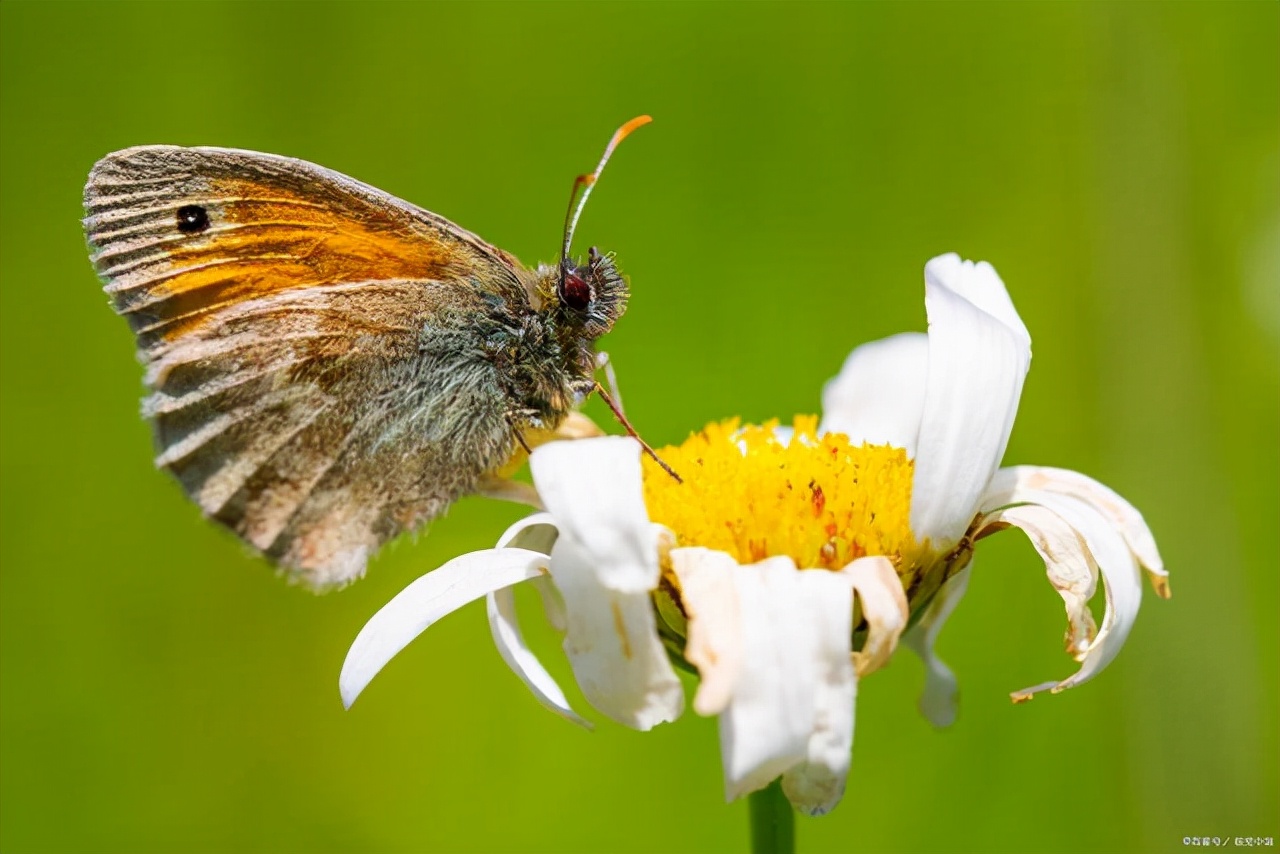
pixel 604 363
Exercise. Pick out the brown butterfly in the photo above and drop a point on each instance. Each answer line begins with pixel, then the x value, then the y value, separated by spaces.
pixel 329 365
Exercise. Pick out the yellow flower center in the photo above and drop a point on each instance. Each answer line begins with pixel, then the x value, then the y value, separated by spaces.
pixel 819 500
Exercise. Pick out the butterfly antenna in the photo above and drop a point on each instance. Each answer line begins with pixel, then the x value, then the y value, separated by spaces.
pixel 586 182
pixel 631 431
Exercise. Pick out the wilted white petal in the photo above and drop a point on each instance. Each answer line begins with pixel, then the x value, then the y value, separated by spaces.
pixel 791 708
pixel 710 600
pixel 1026 483
pixel 1122 582
pixel 505 627
pixel 605 563
pixel 979 353
pixel 1067 561
pixel 938 701
pixel 884 605
pixel 425 601
pixel 878 396
pixel 816 785
pixel 766 727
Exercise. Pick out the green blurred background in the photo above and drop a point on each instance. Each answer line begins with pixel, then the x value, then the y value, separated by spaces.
pixel 162 691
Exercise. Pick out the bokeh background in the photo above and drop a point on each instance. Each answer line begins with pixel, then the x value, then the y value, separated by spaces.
pixel 163 691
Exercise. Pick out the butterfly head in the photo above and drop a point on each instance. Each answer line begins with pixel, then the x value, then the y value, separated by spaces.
pixel 590 297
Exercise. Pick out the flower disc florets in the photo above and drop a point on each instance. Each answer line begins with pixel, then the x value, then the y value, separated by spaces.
pixel 818 500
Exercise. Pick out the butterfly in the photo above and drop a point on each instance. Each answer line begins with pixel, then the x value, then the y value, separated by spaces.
pixel 330 366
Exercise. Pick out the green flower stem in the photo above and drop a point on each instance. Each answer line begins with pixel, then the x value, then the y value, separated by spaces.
pixel 773 824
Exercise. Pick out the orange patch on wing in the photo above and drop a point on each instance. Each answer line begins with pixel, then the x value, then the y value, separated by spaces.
pixel 264 240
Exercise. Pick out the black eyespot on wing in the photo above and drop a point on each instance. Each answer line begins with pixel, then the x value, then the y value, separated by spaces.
pixel 575 292
pixel 192 219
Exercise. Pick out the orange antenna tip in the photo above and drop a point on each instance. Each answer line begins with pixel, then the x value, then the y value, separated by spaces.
pixel 586 182
pixel 638 121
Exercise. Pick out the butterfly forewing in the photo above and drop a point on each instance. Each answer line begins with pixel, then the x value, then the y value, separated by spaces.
pixel 310 388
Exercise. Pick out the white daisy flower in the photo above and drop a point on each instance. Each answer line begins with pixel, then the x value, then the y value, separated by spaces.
pixel 788 563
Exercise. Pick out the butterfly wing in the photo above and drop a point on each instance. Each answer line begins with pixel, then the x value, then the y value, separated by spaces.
pixel 319 380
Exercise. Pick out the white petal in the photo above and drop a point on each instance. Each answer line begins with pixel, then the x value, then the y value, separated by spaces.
pixel 878 396
pixel 605 564
pixel 766 727
pixel 710 599
pixel 1122 581
pixel 980 284
pixel 817 784
pixel 505 627
pixel 552 602
pixel 884 605
pixel 426 600
pixel 939 700
pixel 612 643
pixel 536 532
pixel 594 489
pixel 792 704
pixel 1026 483
pixel 1067 561
pixel 979 353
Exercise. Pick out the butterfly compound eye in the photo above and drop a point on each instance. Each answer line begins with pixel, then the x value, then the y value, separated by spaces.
pixel 192 219
pixel 575 292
